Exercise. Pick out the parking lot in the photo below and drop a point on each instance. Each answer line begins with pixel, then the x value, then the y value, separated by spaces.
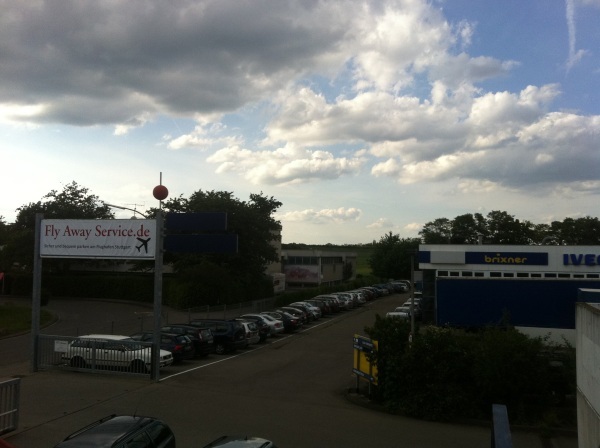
pixel 292 389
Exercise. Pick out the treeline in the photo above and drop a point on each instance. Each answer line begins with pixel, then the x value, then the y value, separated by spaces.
pixel 499 227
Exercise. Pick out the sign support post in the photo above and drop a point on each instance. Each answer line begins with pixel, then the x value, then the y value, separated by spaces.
pixel 158 279
pixel 36 293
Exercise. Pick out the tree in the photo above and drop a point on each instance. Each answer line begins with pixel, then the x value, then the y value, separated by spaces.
pixel 256 228
pixel 438 231
pixel 391 256
pixel 468 228
pixel 73 202
pixel 580 231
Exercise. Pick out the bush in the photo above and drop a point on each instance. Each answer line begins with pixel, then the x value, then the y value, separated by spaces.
pixel 447 374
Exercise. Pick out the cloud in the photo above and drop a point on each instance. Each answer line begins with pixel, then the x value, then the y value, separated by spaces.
pixel 381 223
pixel 289 164
pixel 574 55
pixel 338 216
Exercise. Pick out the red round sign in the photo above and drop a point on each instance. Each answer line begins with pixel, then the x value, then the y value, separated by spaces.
pixel 160 192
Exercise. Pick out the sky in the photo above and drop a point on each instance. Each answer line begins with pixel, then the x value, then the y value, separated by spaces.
pixel 360 117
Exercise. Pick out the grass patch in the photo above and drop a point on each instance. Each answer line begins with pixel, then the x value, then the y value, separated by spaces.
pixel 16 319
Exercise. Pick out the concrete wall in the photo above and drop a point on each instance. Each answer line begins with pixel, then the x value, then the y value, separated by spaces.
pixel 588 373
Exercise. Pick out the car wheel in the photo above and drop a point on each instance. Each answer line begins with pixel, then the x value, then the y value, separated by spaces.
pixel 78 362
pixel 220 349
pixel 138 366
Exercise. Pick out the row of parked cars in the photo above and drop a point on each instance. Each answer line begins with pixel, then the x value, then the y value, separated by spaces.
pixel 202 336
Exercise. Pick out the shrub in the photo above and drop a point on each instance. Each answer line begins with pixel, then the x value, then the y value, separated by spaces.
pixel 445 374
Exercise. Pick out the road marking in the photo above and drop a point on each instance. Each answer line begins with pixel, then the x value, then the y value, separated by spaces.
pixel 279 339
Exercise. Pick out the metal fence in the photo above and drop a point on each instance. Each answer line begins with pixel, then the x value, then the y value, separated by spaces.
pixel 9 404
pixel 227 311
pixel 94 355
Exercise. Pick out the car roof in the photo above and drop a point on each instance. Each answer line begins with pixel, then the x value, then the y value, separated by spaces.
pixel 115 337
pixel 241 442
pixel 105 432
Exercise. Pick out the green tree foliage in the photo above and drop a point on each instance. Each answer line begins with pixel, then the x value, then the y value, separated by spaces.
pixel 73 202
pixel 445 373
pixel 438 231
pixel 499 227
pixel 239 275
pixel 390 257
pixel 580 231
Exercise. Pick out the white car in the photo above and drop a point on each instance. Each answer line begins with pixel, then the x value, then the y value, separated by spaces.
pixel 401 312
pixel 109 350
pixel 275 325
pixel 251 331
pixel 315 310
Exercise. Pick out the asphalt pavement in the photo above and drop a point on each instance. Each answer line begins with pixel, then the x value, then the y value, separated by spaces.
pixel 291 389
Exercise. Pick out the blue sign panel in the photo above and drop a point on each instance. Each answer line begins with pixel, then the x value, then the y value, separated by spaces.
pixel 196 222
pixel 216 244
pixel 507 258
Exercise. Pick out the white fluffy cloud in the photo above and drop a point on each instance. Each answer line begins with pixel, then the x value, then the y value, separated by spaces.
pixel 338 215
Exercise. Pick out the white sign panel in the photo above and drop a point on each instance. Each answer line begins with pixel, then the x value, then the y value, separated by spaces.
pixel 93 238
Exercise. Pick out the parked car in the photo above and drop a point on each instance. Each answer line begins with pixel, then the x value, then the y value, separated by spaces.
pixel 331 301
pixel 180 346
pixel 241 442
pixel 229 335
pixel 202 338
pixel 251 330
pixel 261 326
pixel 402 312
pixel 290 323
pixel 345 300
pixel 122 431
pixel 416 309
pixel 309 308
pixel 109 350
pixel 297 313
pixel 321 304
pixel 275 325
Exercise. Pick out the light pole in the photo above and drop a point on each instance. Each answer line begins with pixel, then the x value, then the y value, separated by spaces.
pixel 126 208
pixel 412 294
pixel 158 271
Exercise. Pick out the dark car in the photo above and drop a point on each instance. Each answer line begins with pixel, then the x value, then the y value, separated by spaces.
pixel 296 312
pixel 202 338
pixel 179 345
pixel 229 335
pixel 122 431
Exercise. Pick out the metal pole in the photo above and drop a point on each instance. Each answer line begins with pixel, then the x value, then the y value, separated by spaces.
pixel 412 296
pixel 158 270
pixel 36 293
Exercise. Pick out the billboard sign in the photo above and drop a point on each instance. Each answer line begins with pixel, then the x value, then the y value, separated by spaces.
pixel 93 238
pixel 301 273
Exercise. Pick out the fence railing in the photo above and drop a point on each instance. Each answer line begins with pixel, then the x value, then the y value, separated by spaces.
pixel 10 390
pixel 229 311
pixel 94 356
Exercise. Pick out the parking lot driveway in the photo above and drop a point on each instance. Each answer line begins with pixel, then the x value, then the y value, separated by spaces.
pixel 292 390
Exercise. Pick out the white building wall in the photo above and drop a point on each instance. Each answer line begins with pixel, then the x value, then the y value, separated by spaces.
pixel 587 321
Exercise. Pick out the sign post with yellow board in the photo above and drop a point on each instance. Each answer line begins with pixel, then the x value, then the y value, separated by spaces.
pixel 364 366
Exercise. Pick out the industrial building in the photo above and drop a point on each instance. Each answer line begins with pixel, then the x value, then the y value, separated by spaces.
pixel 534 288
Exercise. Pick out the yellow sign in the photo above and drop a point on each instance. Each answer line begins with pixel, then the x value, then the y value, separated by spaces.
pixel 364 367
